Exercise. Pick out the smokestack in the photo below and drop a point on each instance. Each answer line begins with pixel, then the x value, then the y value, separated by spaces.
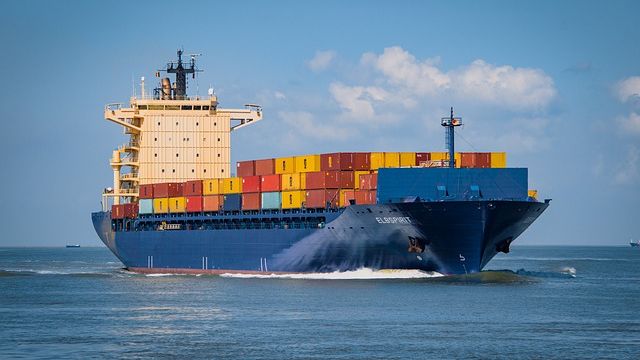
pixel 166 89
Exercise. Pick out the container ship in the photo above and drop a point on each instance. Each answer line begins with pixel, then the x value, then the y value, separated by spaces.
pixel 178 206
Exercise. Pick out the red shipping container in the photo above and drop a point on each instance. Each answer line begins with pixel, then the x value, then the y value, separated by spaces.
pixel 211 202
pixel 122 211
pixel 270 183
pixel 483 160
pixel 369 181
pixel 475 160
pixel 344 161
pixel 251 184
pixel 146 191
pixel 167 190
pixel 265 167
pixel 251 201
pixel 347 180
pixel 192 188
pixel 363 197
pixel 361 161
pixel 323 180
pixel 245 168
pixel 318 199
pixel 193 204
pixel 422 158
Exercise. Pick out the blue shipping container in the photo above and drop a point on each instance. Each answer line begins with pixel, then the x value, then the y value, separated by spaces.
pixel 232 202
pixel 271 200
pixel 439 184
pixel 145 206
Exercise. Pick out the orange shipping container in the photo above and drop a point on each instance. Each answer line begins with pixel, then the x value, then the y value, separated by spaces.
pixel 363 197
pixel 356 178
pixel 251 201
pixel 211 203
pixel 369 181
pixel 345 197
pixel 316 199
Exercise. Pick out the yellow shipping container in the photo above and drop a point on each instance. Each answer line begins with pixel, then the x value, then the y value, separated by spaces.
pixel 295 181
pixel 293 199
pixel 285 165
pixel 211 186
pixel 498 159
pixel 439 156
pixel 161 205
pixel 232 185
pixel 458 157
pixel 307 163
pixel 345 196
pixel 177 204
pixel 533 194
pixel 356 176
pixel 407 159
pixel 377 160
pixel 391 159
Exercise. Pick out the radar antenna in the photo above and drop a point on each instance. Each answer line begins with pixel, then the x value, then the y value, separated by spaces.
pixel 179 89
pixel 450 123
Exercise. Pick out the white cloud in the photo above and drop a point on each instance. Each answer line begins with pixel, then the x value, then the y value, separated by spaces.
pixel 630 124
pixel 629 89
pixel 357 100
pixel 321 60
pixel 279 95
pixel 629 172
pixel 505 86
pixel 403 69
pixel 303 125
pixel 502 86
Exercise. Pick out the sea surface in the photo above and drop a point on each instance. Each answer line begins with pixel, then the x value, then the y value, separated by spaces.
pixel 536 302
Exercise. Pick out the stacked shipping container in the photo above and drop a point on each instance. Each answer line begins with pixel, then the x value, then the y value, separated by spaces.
pixel 310 181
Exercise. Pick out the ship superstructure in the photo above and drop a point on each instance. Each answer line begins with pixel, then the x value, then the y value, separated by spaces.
pixel 172 137
pixel 180 207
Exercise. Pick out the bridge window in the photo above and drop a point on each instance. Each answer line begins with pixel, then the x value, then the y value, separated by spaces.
pixel 186 107
pixel 142 107
pixel 205 107
pixel 197 107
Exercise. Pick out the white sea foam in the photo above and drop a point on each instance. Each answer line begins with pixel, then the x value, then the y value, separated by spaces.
pixel 569 271
pixel 507 257
pixel 360 274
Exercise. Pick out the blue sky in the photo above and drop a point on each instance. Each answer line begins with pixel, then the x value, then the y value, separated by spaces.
pixel 554 83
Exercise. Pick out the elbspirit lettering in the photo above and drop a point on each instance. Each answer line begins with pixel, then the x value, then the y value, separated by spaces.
pixel 394 220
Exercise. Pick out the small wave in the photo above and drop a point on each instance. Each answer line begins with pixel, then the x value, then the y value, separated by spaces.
pixel 506 257
pixel 565 272
pixel 34 272
pixel 360 274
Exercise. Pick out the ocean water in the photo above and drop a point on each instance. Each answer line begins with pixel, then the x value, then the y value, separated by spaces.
pixel 536 302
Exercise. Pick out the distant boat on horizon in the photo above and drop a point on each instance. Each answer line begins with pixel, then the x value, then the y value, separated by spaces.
pixel 634 243
pixel 73 245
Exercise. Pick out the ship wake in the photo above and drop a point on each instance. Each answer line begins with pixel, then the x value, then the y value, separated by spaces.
pixel 359 274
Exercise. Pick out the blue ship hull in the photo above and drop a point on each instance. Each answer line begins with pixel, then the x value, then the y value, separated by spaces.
pixel 452 237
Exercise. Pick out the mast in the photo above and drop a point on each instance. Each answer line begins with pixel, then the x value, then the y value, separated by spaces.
pixel 450 123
